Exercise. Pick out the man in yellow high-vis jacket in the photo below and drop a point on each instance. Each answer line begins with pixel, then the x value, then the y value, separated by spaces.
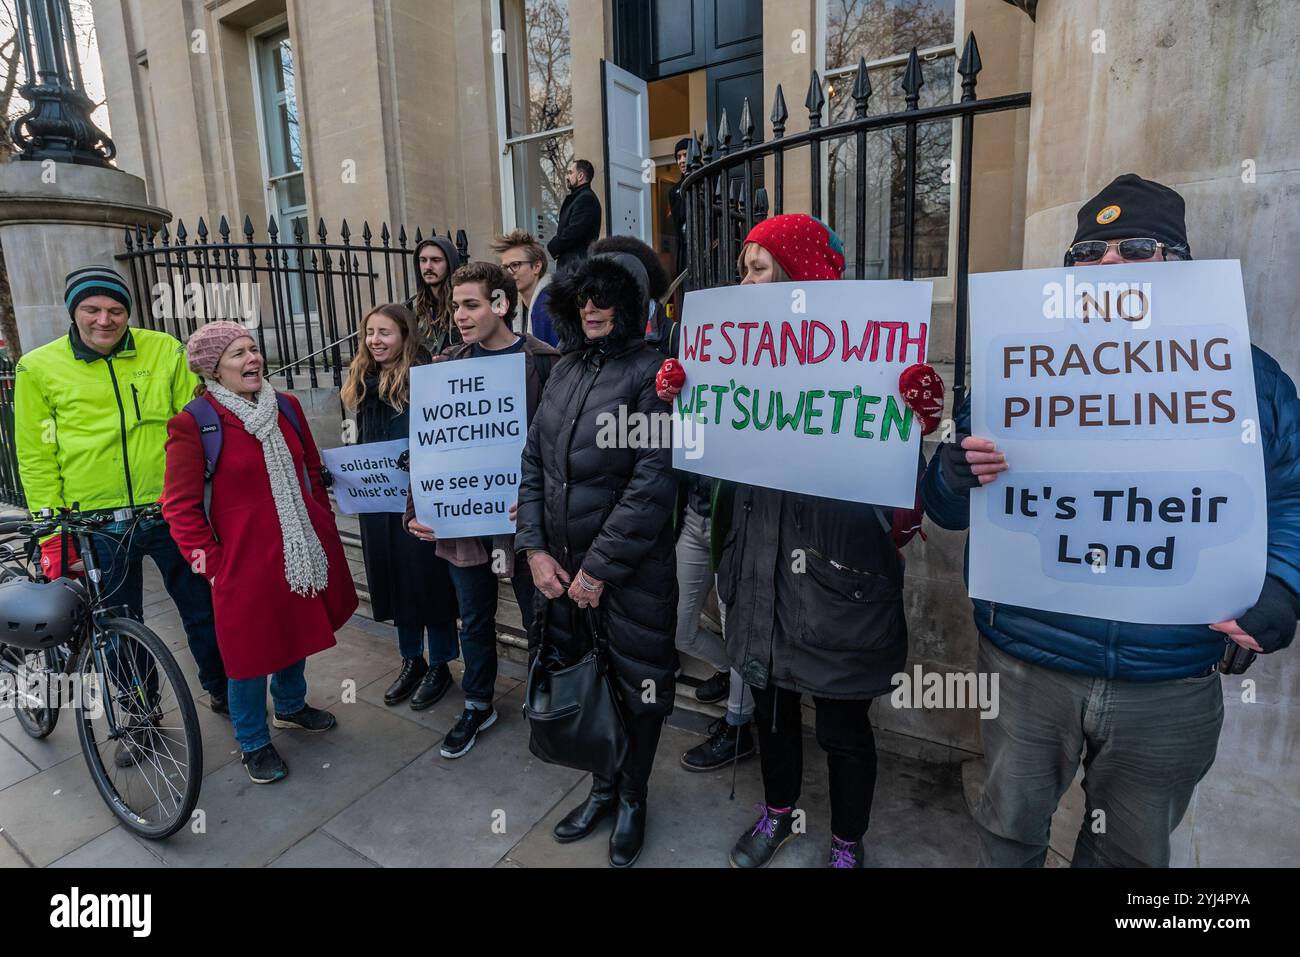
pixel 90 416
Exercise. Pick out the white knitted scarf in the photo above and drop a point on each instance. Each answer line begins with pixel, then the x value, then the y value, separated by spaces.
pixel 306 568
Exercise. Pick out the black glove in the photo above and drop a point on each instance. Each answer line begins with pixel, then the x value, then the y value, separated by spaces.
pixel 1273 619
pixel 326 477
pixel 404 460
pixel 952 462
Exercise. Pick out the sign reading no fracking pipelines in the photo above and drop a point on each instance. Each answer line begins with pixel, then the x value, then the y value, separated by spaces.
pixel 794 386
pixel 1124 399
pixel 468 427
pixel 366 477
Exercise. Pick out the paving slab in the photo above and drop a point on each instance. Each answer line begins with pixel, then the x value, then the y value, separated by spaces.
pixel 462 813
pixel 53 813
pixel 318 849
pixel 116 848
pixel 249 825
pixel 9 857
pixel 13 766
pixel 918 817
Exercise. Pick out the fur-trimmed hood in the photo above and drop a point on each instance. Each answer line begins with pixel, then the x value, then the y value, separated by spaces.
pixel 616 276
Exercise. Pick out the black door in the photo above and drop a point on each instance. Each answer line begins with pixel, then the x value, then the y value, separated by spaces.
pixel 665 37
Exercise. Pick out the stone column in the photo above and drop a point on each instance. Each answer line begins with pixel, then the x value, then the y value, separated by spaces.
pixel 55 217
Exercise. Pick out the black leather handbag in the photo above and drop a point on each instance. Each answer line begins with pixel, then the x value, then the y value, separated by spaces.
pixel 573 711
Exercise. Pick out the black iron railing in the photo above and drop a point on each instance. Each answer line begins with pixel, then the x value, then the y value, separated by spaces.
pixel 725 198
pixel 11 486
pixel 308 297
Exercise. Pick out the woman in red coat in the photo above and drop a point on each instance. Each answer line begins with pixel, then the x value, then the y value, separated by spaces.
pixel 268 543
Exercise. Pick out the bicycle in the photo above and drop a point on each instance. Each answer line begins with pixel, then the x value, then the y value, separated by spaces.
pixel 129 693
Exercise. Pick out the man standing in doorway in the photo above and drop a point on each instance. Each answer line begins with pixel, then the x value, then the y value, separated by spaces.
pixel 579 224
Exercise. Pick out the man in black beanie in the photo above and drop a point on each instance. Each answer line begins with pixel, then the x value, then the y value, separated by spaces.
pixel 1142 703
pixel 677 205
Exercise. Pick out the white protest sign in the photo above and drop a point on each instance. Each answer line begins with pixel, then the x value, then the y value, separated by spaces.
pixel 794 386
pixel 468 426
pixel 366 477
pixel 1124 399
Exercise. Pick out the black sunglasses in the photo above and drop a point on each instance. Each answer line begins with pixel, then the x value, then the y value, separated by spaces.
pixel 597 296
pixel 1134 250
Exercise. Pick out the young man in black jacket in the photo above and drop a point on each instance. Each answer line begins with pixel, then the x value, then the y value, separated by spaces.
pixel 483 300
pixel 579 224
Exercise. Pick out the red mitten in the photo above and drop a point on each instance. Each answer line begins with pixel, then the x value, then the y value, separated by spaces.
pixel 922 389
pixel 52 566
pixel 669 380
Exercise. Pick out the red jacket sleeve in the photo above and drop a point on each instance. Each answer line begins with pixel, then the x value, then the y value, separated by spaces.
pixel 182 498
pixel 311 458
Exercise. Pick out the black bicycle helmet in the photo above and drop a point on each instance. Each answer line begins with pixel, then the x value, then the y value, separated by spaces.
pixel 40 615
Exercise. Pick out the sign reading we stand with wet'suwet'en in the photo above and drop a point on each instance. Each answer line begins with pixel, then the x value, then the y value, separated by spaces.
pixel 468 427
pixel 794 386
pixel 1124 399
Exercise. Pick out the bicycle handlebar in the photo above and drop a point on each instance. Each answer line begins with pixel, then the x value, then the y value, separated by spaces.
pixel 73 520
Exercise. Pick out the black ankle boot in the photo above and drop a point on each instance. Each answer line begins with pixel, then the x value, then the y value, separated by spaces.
pixel 582 820
pixel 628 835
pixel 413 669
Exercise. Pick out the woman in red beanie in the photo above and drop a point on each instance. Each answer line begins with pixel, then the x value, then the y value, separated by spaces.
pixel 834 628
pixel 262 531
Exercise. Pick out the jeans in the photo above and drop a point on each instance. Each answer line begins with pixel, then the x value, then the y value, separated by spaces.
pixel 123 584
pixel 442 642
pixel 247 697
pixel 1144 747
pixel 844 733
pixel 476 594
pixel 694 579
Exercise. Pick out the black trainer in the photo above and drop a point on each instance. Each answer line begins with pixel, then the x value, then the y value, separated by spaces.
pixel 413 670
pixel 219 704
pixel 462 737
pixel 758 846
pixel 432 688
pixel 135 743
pixel 265 766
pixel 845 854
pixel 308 719
pixel 726 743
pixel 715 689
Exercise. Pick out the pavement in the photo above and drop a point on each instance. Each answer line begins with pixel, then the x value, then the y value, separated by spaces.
pixel 374 792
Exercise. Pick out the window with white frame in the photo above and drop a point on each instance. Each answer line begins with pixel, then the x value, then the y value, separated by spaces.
pixel 882 32
pixel 536 94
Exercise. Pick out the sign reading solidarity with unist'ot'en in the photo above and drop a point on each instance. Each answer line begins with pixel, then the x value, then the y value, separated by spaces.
pixel 1124 399
pixel 794 386
pixel 468 426
pixel 366 477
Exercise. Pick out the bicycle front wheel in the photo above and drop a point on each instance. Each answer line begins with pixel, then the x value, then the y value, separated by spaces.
pixel 138 728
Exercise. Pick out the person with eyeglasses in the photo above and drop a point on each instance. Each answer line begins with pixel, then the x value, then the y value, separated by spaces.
pixel 1141 703
pixel 524 258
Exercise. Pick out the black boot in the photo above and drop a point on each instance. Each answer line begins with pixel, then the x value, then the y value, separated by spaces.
pixel 628 835
pixel 413 669
pixel 582 820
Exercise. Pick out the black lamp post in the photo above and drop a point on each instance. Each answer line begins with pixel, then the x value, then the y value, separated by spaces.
pixel 57 124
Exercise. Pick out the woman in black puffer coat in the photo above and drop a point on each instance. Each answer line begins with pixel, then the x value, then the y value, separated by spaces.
pixel 596 523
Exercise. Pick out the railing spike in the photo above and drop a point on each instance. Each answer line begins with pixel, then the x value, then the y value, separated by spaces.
pixel 746 124
pixel 724 133
pixel 462 243
pixel 320 229
pixel 814 101
pixel 401 234
pixel 248 227
pixel 913 80
pixel 384 234
pixel 419 237
pixel 968 68
pixel 180 231
pixel 224 228
pixel 203 230
pixel 779 113
pixel 344 231
pixel 861 88
pixel 365 231
pixel 706 148
pixel 693 153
